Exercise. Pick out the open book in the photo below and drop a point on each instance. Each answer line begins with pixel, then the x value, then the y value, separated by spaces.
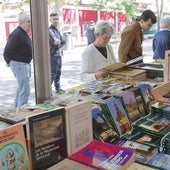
pixel 118 65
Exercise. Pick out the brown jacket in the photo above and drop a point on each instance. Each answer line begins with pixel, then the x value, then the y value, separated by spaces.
pixel 131 42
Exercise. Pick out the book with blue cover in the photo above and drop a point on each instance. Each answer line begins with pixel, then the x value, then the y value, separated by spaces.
pixel 118 115
pixel 102 129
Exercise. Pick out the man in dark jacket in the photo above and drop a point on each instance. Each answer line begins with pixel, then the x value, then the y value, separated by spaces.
pixel 56 42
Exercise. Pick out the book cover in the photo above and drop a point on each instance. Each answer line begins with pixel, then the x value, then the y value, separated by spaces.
pixel 146 91
pixel 46 135
pixel 143 152
pixel 104 156
pixel 142 107
pixel 160 160
pixel 14 116
pixel 114 66
pixel 130 103
pixel 68 164
pixel 4 124
pixel 13 149
pixel 144 138
pixel 118 115
pixel 79 125
pixel 159 126
pixel 102 129
pixel 137 166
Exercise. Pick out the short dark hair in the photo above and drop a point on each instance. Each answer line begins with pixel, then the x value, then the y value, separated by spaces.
pixel 146 15
pixel 53 14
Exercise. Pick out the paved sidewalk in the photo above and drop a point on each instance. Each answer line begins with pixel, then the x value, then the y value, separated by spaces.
pixel 70 73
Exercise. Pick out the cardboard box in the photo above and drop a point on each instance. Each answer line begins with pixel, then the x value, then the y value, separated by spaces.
pixel 160 91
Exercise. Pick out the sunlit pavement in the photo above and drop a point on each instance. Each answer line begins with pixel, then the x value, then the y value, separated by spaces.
pixel 70 73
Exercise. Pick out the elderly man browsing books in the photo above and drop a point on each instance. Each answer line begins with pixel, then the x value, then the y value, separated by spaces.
pixel 98 54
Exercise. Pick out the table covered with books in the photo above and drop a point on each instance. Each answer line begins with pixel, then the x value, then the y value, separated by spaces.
pixel 115 111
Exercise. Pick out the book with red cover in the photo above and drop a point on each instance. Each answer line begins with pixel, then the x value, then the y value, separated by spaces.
pixel 104 156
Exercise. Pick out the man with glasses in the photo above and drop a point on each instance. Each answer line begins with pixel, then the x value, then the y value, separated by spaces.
pixel 132 36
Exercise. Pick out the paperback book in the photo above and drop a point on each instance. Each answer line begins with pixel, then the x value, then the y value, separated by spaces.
pixel 78 125
pixel 105 156
pixel 13 149
pixel 46 136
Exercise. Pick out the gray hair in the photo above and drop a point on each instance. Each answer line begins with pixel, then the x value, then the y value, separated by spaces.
pixel 165 22
pixel 22 17
pixel 104 28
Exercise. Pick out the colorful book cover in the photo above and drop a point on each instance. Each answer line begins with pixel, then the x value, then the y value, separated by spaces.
pixel 46 135
pixel 131 105
pixel 13 149
pixel 142 107
pixel 144 138
pixel 104 156
pixel 102 129
pixel 79 125
pixel 146 91
pixel 159 126
pixel 119 115
pixel 143 152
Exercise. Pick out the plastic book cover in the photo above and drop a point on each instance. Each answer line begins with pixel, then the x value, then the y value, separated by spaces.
pixel 102 130
pixel 46 135
pixel 119 115
pixel 13 149
pixel 104 156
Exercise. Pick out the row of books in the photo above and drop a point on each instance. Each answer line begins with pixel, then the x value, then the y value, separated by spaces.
pixel 67 134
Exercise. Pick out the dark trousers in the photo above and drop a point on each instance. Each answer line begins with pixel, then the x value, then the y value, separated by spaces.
pixel 56 64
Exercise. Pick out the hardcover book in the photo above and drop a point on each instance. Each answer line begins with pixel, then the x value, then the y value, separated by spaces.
pixel 105 156
pixel 13 149
pixel 118 116
pixel 46 135
pixel 102 129
pixel 68 164
pixel 147 95
pixel 130 103
pixel 79 125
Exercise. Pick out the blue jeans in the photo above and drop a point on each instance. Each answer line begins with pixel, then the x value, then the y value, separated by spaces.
pixel 56 63
pixel 22 72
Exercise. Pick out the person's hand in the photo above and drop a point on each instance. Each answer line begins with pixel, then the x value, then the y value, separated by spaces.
pixel 101 74
pixel 57 41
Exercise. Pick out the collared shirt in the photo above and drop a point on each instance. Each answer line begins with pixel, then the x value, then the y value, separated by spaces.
pixel 18 47
pixel 131 42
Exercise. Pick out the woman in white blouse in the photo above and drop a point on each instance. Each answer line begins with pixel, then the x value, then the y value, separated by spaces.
pixel 99 54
